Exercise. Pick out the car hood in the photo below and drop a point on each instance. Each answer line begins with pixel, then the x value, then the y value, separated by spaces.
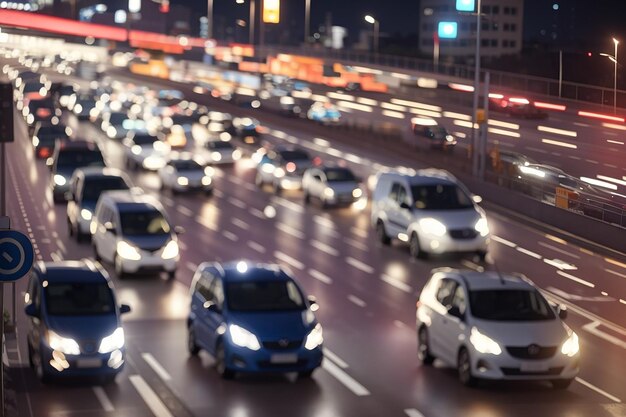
pixel 524 333
pixel 79 328
pixel 149 242
pixel 194 175
pixel 452 219
pixel 343 186
pixel 274 325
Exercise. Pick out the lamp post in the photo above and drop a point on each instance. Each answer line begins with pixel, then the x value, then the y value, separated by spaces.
pixel 209 15
pixel 307 20
pixel 370 19
pixel 613 58
pixel 474 141
pixel 250 20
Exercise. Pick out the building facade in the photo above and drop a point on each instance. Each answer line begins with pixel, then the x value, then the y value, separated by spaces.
pixel 501 28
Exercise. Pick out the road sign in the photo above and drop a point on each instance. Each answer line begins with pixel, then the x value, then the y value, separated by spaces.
pixel 447 30
pixel 6 112
pixel 16 255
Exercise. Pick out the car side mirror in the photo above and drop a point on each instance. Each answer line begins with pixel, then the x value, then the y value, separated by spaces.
pixel 31 310
pixel 405 206
pixel 477 199
pixel 179 230
pixel 313 303
pixel 124 308
pixel 110 228
pixel 455 312
pixel 561 311
pixel 69 196
pixel 211 306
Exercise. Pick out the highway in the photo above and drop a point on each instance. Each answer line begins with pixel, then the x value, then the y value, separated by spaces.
pixel 366 293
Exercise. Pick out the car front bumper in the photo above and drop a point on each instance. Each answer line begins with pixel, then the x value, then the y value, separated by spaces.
pixel 443 244
pixel 507 367
pixel 242 359
pixel 149 263
pixel 57 364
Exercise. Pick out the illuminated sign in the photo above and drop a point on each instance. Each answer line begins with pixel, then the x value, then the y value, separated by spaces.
pixel 465 5
pixel 271 11
pixel 134 6
pixel 447 30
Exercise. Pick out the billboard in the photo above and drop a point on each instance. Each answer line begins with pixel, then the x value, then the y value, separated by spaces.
pixel 271 11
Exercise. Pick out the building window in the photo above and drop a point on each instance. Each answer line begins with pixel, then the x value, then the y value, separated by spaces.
pixel 464 42
pixel 506 10
pixel 494 26
pixel 484 42
pixel 494 43
pixel 484 26
pixel 513 27
pixel 512 44
pixel 505 43
pixel 486 9
pixel 514 10
pixel 505 27
pixel 465 26
pixel 473 27
pixel 495 10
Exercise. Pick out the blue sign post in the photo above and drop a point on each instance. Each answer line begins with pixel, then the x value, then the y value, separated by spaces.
pixel 16 255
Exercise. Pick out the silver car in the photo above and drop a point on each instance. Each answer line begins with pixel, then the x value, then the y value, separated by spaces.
pixel 331 186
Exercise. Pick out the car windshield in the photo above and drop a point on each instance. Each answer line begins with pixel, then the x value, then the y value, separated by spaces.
pixel 57 131
pixel 440 197
pixel 509 305
pixel 294 155
pixel 439 132
pixel 143 140
pixel 78 299
pixel 117 118
pixel 339 175
pixel 93 187
pixel 33 87
pixel 186 165
pixel 264 296
pixel 219 145
pixel 141 223
pixel 80 158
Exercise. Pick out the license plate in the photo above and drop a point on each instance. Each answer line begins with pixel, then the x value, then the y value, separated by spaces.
pixel 284 358
pixel 533 367
pixel 89 363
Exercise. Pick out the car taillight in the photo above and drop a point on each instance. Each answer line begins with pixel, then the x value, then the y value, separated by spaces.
pixel 44 152
pixel 418 304
pixel 42 112
pixel 290 167
pixel 317 161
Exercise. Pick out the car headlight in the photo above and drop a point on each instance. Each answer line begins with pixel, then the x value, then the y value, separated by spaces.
pixel 570 347
pixel 113 341
pixel 63 344
pixel 35 141
pixel 128 251
pixel 482 227
pixel 153 162
pixel 484 344
pixel 236 155
pixel 329 192
pixel 183 181
pixel 242 337
pixel 86 214
pixel 135 149
pixel 216 156
pixel 449 138
pixel 170 250
pixel 357 193
pixel 432 226
pixel 78 108
pixel 206 180
pixel 315 338
pixel 60 180
pixel 279 172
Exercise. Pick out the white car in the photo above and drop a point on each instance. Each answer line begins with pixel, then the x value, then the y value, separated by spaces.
pixel 282 167
pixel 145 151
pixel 186 174
pixel 430 210
pixel 332 186
pixel 493 326
pixel 218 152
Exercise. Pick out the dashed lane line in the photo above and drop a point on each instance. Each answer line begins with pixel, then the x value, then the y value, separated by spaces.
pixel 290 230
pixel 554 248
pixel 151 399
pixel 104 400
pixel 324 247
pixel 356 300
pixel 413 412
pixel 576 279
pixel 288 260
pixel 359 265
pixel 396 283
pixel 320 277
pixel 598 390
pixel 156 366
pixel 256 246
pixel 349 382
pixel 333 357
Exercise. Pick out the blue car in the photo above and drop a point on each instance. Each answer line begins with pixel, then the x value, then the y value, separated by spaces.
pixel 253 318
pixel 74 322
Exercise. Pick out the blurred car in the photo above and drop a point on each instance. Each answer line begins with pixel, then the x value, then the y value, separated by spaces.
pixel 332 186
pixel 496 327
pixel 432 211
pixel 218 152
pixel 145 150
pixel 132 232
pixel 85 188
pixel 175 136
pixel 45 137
pixel 170 97
pixel 517 107
pixel 253 318
pixel 82 105
pixel 64 92
pixel 283 168
pixel 436 135
pixel 324 113
pixel 184 174
pixel 67 157
pixel 247 129
pixel 289 106
pixel 117 124
pixel 43 110
pixel 74 324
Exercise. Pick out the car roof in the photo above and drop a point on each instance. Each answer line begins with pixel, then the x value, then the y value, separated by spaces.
pixel 428 176
pixel 84 270
pixel 79 145
pixel 489 280
pixel 254 272
pixel 129 201
pixel 92 172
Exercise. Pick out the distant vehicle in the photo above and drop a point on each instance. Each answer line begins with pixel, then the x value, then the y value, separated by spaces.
pixel 64 93
pixel 69 156
pixel 86 185
pixel 332 186
pixel 289 106
pixel 43 110
pixel 517 107
pixel 186 175
pixel 253 318
pixel 430 210
pixel 74 325
pixel 247 129
pixel 218 152
pixel 494 327
pixel 132 232
pixel 82 106
pixel 45 136
pixel 436 136
pixel 143 150
pixel 324 113
pixel 283 168
pixel 117 125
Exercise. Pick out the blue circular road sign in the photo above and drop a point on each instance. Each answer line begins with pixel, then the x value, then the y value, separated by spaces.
pixel 16 255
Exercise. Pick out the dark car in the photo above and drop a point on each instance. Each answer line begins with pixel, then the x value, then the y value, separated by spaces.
pixel 517 107
pixel 42 110
pixel 46 135
pixel 436 136
pixel 67 158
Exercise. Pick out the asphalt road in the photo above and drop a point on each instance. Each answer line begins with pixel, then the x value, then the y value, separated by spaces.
pixel 366 293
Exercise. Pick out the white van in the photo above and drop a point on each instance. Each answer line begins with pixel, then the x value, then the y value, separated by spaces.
pixel 430 210
pixel 133 233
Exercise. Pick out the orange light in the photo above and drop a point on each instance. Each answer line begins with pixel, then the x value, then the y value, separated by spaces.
pixel 44 152
pixel 271 11
pixel 290 167
pixel 601 116
pixel 550 106
pixel 317 161
pixel 165 6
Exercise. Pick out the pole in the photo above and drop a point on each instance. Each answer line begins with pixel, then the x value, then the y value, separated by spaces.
pixel 209 16
pixel 307 21
pixel 251 23
pixel 3 182
pixel 376 35
pixel 261 27
pixel 476 93
pixel 560 71
pixel 484 130
pixel 436 51
pixel 615 81
pixel 2 335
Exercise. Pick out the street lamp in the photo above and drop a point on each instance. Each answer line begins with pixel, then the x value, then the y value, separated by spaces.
pixel 250 20
pixel 307 20
pixel 613 58
pixel 209 15
pixel 370 19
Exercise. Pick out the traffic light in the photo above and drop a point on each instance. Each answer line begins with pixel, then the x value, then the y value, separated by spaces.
pixel 165 6
pixel 589 54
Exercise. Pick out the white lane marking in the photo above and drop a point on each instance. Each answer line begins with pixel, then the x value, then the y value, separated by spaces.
pixel 412 412
pixel 576 279
pixel 360 265
pixel 168 201
pixel 472 265
pixel 401 325
pixel 554 248
pixel 622 301
pixel 184 211
pixel 102 396
pixel 559 143
pixel 563 132
pixel 240 223
pixel 156 366
pixel 598 390
pixel 581 124
pixel 573 297
pixel 593 329
pixel 356 244
pixel 610 166
pixel 616 142
pixel 395 282
pixel 152 400
pixel 320 277
pixel 62 246
pixel 576 158
pixel 288 204
pixel 345 379
pixel 218 193
pixel 237 203
pixel 356 300
pixel 333 357
pixel 610 271
pixel 324 248
pixel 530 148
pixel 250 187
pixel 230 235
pixel 503 241
pixel 529 253
pixel 323 221
pixel 206 223
pixel 257 213
pixel 56 257
pixel 559 264
pixel 256 246
pixel 290 230
pixel 191 266
pixel 359 232
pixel 591 161
pixel 182 245
pixel 288 260
pixel 235 180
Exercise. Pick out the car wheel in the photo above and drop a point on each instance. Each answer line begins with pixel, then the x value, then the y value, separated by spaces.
pixel 220 363
pixel 414 247
pixel 482 255
pixel 306 374
pixel 96 255
pixel 381 234
pixel 258 181
pixel 70 228
pixel 423 351
pixel 192 345
pixel 307 198
pixel 277 189
pixel 464 368
pixel 171 275
pixel 119 269
pixel 561 383
pixel 42 376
